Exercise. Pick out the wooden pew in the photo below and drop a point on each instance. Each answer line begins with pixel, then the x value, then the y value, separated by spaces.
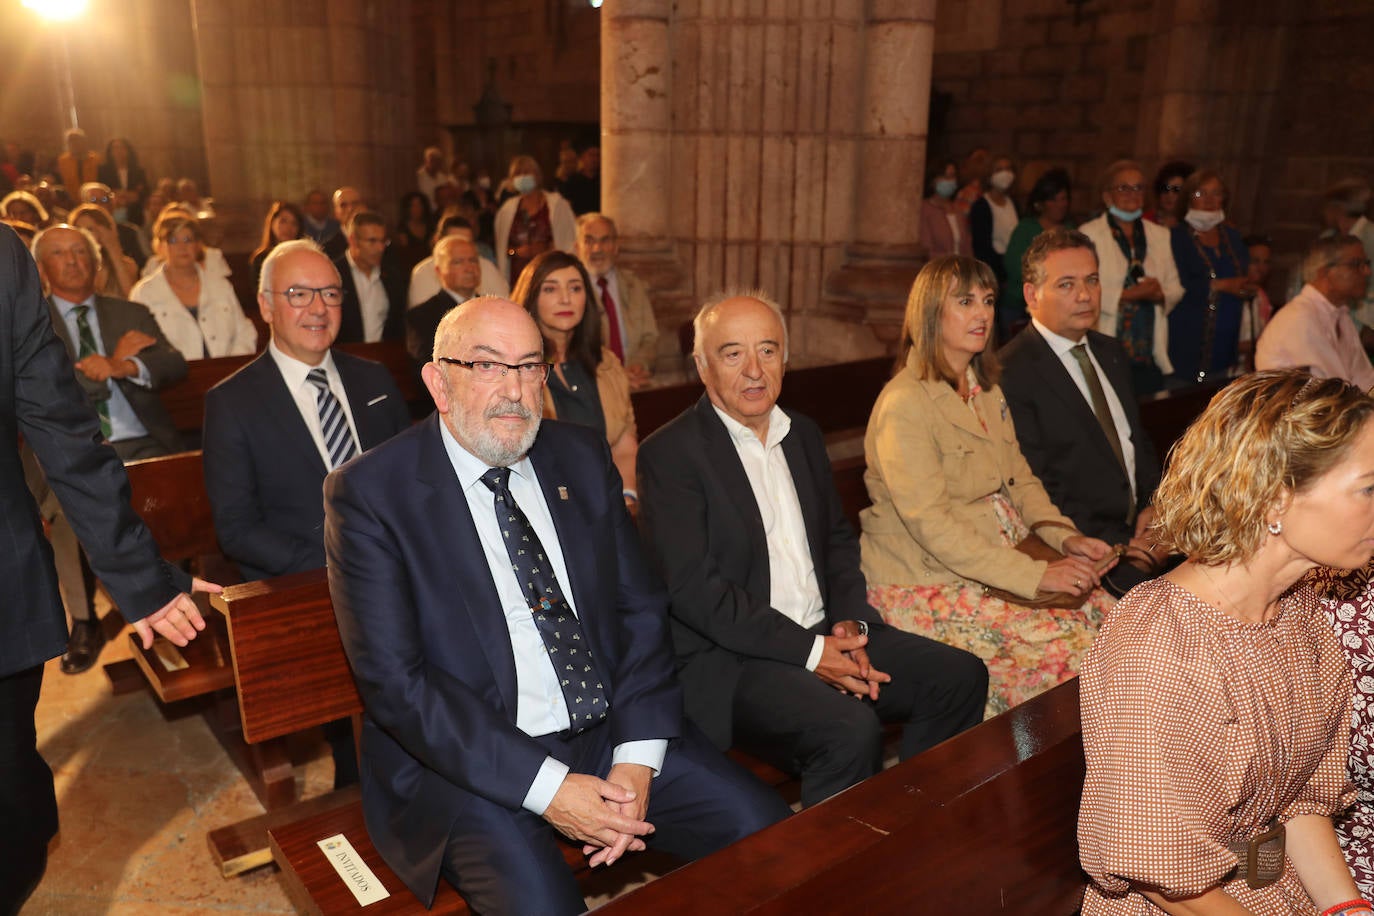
pixel 985 822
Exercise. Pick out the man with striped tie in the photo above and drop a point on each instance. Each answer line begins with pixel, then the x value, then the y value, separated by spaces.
pixel 275 428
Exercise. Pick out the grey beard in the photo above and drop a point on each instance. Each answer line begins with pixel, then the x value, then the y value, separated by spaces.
pixel 486 445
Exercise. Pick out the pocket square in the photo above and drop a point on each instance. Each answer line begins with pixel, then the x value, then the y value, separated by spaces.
pixel 378 399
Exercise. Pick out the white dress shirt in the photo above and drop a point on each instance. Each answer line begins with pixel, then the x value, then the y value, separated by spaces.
pixel 372 301
pixel 294 372
pixel 1313 333
pixel 1061 347
pixel 539 708
pixel 792 588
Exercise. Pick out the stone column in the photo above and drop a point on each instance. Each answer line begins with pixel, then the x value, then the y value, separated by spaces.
pixel 302 95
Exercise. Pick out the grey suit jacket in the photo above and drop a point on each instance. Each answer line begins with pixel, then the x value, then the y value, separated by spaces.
pixel 165 364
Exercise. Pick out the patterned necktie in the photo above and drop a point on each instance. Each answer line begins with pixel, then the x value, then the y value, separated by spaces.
pixel 338 438
pixel 1104 413
pixel 564 640
pixel 612 319
pixel 88 348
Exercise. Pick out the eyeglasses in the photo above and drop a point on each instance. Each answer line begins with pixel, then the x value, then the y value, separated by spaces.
pixel 1352 263
pixel 1129 189
pixel 299 297
pixel 1172 189
pixel 1209 194
pixel 180 239
pixel 487 370
pixel 98 199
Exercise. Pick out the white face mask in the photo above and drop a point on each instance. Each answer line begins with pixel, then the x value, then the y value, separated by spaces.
pixel 1205 220
pixel 1002 179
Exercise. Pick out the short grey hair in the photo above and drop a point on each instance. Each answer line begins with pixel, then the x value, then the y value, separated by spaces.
pixel 85 234
pixel 586 219
pixel 269 264
pixel 714 302
pixel 26 197
pixel 1324 252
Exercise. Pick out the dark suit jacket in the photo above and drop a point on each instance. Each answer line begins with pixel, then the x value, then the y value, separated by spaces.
pixel 40 399
pixel 421 323
pixel 351 324
pixel 1062 440
pixel 165 365
pixel 703 528
pixel 262 470
pixel 424 631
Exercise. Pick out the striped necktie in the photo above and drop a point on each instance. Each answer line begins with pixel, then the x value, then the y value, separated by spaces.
pixel 338 438
pixel 87 348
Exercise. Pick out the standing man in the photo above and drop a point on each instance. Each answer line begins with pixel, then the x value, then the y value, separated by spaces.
pixel 374 291
pixel 431 174
pixel 628 324
pixel 275 428
pixel 319 224
pixel 774 634
pixel 121 359
pixel 459 270
pixel 510 645
pixel 40 400
pixel 347 202
pixel 98 193
pixel 1314 331
pixel 79 164
pixel 1076 414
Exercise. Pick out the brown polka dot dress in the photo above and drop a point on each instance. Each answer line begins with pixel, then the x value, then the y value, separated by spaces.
pixel 1198 728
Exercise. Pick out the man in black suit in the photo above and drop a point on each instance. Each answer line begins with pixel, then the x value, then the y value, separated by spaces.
pixel 374 291
pixel 121 358
pixel 774 635
pixel 40 400
pixel 460 271
pixel 1077 418
pixel 511 646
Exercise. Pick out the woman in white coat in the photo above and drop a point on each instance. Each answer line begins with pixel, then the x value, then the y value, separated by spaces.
pixel 1139 280
pixel 197 309
pixel 532 222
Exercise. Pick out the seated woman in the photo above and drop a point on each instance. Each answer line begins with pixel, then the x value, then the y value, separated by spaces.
pixel 953 496
pixel 532 221
pixel 122 174
pixel 1216 701
pixel 587 384
pixel 1047 206
pixel 285 222
pixel 118 272
pixel 1214 265
pixel 196 309
pixel 410 244
pixel 944 227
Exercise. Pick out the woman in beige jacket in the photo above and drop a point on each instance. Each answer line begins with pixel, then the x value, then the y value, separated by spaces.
pixel 587 383
pixel 952 496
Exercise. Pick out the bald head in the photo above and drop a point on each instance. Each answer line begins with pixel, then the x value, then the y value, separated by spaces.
pixel 67 261
pixel 741 353
pixel 347 201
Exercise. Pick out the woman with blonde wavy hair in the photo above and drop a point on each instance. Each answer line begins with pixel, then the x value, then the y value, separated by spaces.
pixel 1216 700
pixel 953 498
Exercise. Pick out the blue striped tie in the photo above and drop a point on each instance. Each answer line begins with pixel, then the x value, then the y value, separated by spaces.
pixel 338 439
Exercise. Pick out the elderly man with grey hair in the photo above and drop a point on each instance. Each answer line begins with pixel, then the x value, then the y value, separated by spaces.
pixel 1344 208
pixel 628 325
pixel 1314 331
pixel 778 649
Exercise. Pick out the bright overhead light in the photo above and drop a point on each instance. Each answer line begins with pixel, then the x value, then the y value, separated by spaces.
pixel 57 10
pixel 596 4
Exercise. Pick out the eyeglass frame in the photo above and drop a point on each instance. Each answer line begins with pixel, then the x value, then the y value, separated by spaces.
pixel 1128 188
pixel 315 291
pixel 522 370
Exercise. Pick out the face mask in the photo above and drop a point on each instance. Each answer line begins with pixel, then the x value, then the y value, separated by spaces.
pixel 946 187
pixel 1002 179
pixel 1126 216
pixel 523 184
pixel 1205 220
pixel 484 183
pixel 121 214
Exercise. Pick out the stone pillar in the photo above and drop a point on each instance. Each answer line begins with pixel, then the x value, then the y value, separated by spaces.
pixel 777 144
pixel 302 95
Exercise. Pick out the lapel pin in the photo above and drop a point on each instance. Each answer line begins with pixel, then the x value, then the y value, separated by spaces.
pixel 563 493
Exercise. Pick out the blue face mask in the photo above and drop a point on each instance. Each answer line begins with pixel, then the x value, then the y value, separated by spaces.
pixel 1126 216
pixel 946 187
pixel 121 214
pixel 523 184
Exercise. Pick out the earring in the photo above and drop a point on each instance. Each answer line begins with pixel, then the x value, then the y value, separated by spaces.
pixel 1275 527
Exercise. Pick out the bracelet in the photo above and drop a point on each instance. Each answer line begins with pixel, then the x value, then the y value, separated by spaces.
pixel 1349 908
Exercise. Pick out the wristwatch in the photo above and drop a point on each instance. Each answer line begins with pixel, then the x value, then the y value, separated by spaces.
pixel 863 627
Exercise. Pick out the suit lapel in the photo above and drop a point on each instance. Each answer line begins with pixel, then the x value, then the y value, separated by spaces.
pixel 1059 384
pixel 358 402
pixel 280 411
pixel 954 410
pixel 469 582
pixel 804 482
pixel 722 457
pixel 60 327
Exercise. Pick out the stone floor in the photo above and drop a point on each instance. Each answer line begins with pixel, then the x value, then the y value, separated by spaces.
pixel 139 786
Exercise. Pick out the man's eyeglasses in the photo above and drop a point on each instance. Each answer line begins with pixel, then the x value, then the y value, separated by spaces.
pixel 1352 263
pixel 299 297
pixel 1129 189
pixel 488 370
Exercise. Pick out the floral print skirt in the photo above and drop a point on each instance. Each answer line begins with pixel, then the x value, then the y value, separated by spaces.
pixel 1027 650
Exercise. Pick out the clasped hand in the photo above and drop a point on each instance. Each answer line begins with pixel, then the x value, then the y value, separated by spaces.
pixel 844 662
pixel 1078 572
pixel 605 815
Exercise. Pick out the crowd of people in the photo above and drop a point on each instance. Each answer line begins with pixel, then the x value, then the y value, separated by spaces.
pixel 1021 526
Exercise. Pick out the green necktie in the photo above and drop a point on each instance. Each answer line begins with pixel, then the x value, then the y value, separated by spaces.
pixel 1104 413
pixel 88 348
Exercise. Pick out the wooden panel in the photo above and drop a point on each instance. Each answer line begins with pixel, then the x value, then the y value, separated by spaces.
pixel 206 663
pixel 169 495
pixel 244 846
pixel 289 662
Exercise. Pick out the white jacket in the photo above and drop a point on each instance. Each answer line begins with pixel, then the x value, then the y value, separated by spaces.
pixel 220 324
pixel 1111 268
pixel 561 220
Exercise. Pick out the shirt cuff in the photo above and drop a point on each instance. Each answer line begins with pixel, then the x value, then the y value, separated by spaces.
pixel 649 753
pixel 545 786
pixel 142 379
pixel 817 650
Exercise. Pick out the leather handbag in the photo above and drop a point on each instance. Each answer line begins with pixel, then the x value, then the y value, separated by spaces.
pixel 1033 546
